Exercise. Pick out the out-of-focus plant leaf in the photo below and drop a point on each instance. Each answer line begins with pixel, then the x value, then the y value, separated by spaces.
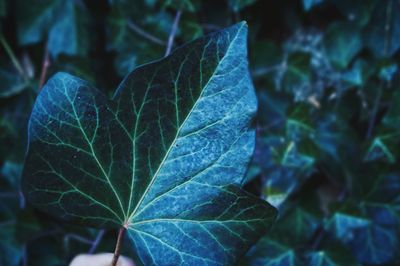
pixel 15 113
pixel 133 42
pixel 61 22
pixel 10 251
pixel 329 258
pixel 309 4
pixel 357 11
pixel 302 223
pixel 269 252
pixel 371 229
pixel 162 148
pixel 343 225
pixel 382 34
pixel 3 8
pixel 11 173
pixel 297 73
pixel 387 72
pixel 237 5
pixel 382 148
pixel 185 5
pixel 342 42
pixel 375 244
pixel 11 83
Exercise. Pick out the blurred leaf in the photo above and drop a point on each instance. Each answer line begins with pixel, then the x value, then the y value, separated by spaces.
pixel 14 116
pixel 309 4
pixel 382 35
pixel 375 244
pixel 185 5
pixel 61 22
pixel 392 117
pixel 3 8
pixel 356 11
pixel 342 42
pixel 302 225
pixel 237 5
pixel 11 173
pixel 381 148
pixel 343 225
pixel 329 258
pixel 133 43
pixel 298 73
pixel 268 252
pixel 11 83
pixel 387 72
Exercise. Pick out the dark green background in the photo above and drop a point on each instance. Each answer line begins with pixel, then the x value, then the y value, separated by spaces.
pixel 326 74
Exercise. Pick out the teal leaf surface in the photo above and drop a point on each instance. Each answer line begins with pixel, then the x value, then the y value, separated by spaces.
pixel 165 158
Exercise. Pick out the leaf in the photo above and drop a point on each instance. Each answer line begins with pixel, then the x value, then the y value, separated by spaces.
pixel 10 173
pixel 185 5
pixel 382 34
pixel 165 158
pixel 237 5
pixel 328 258
pixel 309 4
pixel 358 11
pixel 375 244
pixel 298 72
pixel 342 42
pixel 269 252
pixel 373 238
pixel 3 8
pixel 14 116
pixel 62 22
pixel 131 39
pixel 11 83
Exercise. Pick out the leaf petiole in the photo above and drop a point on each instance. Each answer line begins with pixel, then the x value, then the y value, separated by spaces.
pixel 118 246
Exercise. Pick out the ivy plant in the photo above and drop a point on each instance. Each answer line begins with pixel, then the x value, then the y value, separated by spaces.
pixel 164 159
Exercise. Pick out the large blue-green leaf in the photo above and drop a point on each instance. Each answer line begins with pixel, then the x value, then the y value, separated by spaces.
pixel 165 158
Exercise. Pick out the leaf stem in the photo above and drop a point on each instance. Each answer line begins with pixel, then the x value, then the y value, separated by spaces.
pixel 173 32
pixel 118 246
pixel 143 33
pixel 96 242
pixel 45 66
pixel 12 56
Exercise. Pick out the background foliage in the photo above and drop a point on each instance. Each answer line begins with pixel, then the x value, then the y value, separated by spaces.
pixel 327 78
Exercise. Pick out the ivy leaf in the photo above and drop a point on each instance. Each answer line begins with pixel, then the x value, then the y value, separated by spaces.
pixel 62 22
pixel 382 34
pixel 165 158
pixel 342 42
pixel 309 4
pixel 12 83
pixel 237 5
pixel 328 258
pixel 269 252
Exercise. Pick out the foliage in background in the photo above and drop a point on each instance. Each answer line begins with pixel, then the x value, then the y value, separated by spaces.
pixel 327 78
